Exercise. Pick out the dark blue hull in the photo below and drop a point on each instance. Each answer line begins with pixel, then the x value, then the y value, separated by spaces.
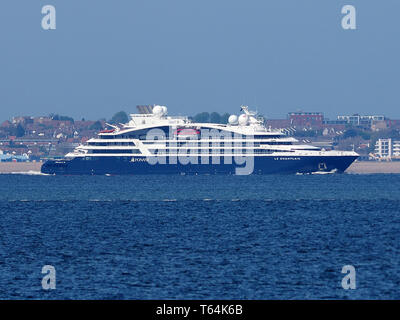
pixel 262 165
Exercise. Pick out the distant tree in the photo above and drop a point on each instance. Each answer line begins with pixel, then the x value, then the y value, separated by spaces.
pixel 60 118
pixel 215 117
pixel 96 126
pixel 225 117
pixel 365 135
pixel 307 133
pixel 65 118
pixel 391 133
pixel 349 133
pixel 354 132
pixel 202 117
pixel 120 117
pixel 19 131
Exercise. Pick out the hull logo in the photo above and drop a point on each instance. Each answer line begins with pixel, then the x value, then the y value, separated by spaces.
pixel 138 160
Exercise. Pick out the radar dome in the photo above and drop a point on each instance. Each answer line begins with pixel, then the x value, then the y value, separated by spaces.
pixel 233 119
pixel 158 111
pixel 243 119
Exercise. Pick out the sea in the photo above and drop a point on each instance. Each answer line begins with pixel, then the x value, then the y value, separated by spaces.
pixel 200 237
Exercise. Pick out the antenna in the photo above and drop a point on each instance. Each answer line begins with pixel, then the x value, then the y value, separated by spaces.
pixel 112 126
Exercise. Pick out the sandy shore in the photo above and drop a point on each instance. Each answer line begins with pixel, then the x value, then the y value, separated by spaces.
pixel 359 167
pixel 8 167
pixel 363 167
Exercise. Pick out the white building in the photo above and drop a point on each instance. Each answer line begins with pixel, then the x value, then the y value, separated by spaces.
pixel 359 119
pixel 396 149
pixel 386 148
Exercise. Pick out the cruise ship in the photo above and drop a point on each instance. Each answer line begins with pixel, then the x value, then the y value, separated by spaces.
pixel 154 143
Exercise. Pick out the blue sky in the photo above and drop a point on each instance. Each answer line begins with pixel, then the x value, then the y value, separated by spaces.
pixel 276 56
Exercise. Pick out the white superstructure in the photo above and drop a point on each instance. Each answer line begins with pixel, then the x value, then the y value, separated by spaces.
pixel 158 133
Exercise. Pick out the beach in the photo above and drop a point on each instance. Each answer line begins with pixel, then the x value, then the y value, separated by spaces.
pixel 365 167
pixel 14 167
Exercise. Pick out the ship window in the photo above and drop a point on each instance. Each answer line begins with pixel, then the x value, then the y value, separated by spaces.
pixel 116 151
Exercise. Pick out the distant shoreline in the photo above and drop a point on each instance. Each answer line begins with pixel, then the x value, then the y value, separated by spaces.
pixel 11 167
pixel 358 167
pixel 366 167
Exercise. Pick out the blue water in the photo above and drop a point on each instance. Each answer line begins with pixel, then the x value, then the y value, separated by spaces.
pixel 200 237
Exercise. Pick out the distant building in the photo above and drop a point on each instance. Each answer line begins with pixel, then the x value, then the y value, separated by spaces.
pixel 383 148
pixel 396 149
pixel 333 129
pixel 393 123
pixel 22 120
pixel 306 119
pixel 12 157
pixel 387 149
pixel 335 122
pixel 277 123
pixel 6 124
pixel 357 120
pixel 379 125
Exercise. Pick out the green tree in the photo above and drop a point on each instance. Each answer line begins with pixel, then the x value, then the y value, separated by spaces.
pixel 96 126
pixel 120 117
pixel 349 133
pixel 19 131
pixel 225 117
pixel 66 118
pixel 202 117
pixel 60 118
pixel 354 132
pixel 215 117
